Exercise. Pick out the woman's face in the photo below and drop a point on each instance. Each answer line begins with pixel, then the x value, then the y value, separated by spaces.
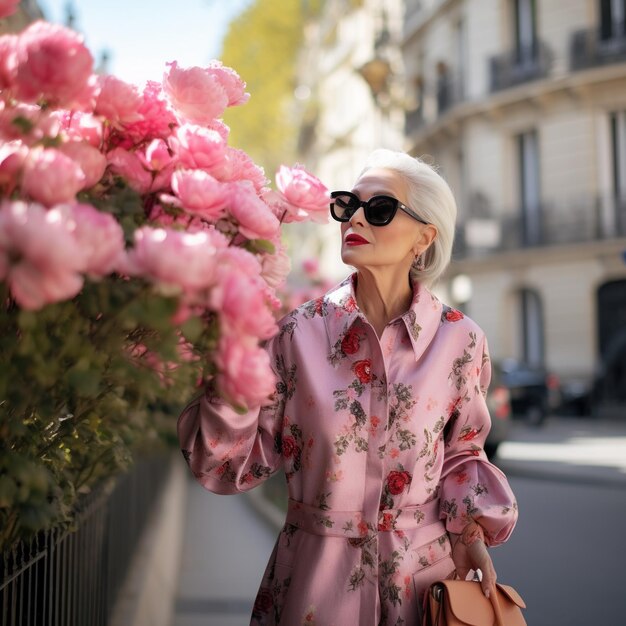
pixel 393 246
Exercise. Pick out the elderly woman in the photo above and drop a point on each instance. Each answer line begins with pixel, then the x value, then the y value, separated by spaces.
pixel 378 420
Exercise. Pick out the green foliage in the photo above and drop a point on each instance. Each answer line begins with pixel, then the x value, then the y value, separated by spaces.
pixel 263 43
pixel 84 386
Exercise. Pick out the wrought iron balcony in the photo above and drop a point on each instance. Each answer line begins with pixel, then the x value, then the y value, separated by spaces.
pixel 549 225
pixel 521 65
pixel 588 48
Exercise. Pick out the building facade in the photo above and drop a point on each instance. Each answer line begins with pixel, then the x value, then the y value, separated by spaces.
pixel 522 104
pixel 349 82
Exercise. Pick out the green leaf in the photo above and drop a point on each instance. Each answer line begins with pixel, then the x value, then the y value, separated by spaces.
pixel 259 246
pixel 8 489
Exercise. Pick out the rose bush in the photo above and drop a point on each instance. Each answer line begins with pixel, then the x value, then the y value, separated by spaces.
pixel 140 258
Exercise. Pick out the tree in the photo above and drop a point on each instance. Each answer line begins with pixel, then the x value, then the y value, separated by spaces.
pixel 263 44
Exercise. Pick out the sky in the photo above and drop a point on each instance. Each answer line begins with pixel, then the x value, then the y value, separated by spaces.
pixel 142 35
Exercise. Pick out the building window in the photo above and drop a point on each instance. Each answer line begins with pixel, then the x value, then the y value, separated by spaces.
pixel 531 318
pixel 612 19
pixel 611 382
pixel 525 29
pixel 617 122
pixel 529 188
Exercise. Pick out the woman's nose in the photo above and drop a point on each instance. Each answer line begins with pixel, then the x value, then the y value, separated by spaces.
pixel 358 217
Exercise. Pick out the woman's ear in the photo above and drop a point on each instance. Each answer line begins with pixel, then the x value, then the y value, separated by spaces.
pixel 427 235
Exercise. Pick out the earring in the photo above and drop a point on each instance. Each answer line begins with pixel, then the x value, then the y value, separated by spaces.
pixel 418 262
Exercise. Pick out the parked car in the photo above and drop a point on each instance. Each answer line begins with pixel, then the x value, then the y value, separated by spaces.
pixel 534 391
pixel 499 404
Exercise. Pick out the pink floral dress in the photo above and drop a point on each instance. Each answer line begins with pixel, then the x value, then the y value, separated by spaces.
pixel 381 441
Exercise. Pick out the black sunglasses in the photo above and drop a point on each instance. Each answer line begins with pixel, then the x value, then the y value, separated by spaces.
pixel 378 210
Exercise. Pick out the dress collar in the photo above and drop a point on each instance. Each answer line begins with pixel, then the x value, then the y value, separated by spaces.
pixel 422 319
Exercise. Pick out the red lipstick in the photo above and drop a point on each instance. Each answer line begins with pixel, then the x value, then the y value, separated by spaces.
pixel 355 240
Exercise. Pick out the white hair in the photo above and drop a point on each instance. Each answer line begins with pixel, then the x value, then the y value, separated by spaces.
pixel 431 198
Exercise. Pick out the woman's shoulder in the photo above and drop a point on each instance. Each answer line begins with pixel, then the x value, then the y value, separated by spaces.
pixel 456 321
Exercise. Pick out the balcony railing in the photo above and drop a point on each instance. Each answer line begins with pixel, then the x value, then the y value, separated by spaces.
pixel 589 49
pixel 519 66
pixel 64 578
pixel 450 91
pixel 549 225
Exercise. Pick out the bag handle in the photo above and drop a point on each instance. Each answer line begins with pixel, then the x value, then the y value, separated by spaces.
pixel 493 596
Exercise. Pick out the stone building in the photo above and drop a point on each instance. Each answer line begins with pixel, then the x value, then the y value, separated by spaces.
pixel 349 84
pixel 522 104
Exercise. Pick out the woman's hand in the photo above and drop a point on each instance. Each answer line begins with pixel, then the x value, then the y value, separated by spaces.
pixel 469 552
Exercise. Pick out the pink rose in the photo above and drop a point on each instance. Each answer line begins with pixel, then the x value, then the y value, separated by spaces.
pixel 100 238
pixel 237 165
pixel 233 257
pixel 199 193
pixel 129 166
pixel 176 259
pixel 157 155
pixel 276 268
pixel 90 160
pixel 156 116
pixel 195 93
pixel 118 101
pixel 301 195
pixel 231 82
pixel 220 127
pixel 256 221
pixel 51 177
pixel 12 157
pixel 79 126
pixel 53 64
pixel 20 121
pixel 241 304
pixel 197 147
pixel 246 378
pixel 8 7
pixel 40 258
pixel 8 60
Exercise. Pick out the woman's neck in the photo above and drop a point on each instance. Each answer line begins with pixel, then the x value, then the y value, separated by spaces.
pixel 383 297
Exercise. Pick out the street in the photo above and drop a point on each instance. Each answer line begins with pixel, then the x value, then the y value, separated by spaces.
pixel 568 553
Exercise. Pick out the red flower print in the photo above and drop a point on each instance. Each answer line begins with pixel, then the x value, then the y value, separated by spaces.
pixel 289 446
pixel 454 316
pixel 362 526
pixel 363 370
pixel 263 602
pixel 375 421
pixel 397 482
pixel 350 305
pixel 387 522
pixel 350 343
pixel 467 433
pixel 461 477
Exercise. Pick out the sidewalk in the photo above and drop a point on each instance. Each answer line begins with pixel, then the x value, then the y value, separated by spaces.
pixel 226 548
pixel 584 451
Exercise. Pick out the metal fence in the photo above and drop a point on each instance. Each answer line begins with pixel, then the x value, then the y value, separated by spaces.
pixel 72 578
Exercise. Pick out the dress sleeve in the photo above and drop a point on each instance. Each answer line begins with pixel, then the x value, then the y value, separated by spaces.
pixel 226 451
pixel 471 486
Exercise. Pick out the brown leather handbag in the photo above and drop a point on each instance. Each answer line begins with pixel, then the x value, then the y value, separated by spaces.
pixel 462 603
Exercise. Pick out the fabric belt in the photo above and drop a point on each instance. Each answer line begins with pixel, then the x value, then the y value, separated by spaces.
pixel 352 525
